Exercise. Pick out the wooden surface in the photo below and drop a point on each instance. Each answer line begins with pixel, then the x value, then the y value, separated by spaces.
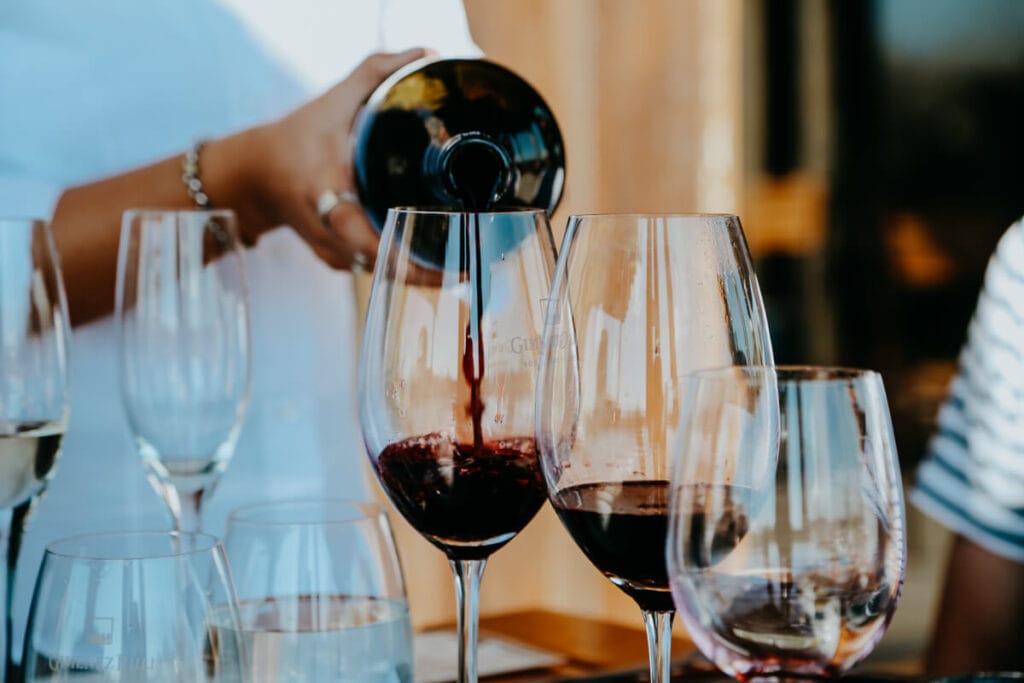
pixel 590 646
pixel 606 652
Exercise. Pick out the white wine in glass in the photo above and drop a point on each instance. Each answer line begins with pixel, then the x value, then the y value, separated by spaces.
pixel 33 386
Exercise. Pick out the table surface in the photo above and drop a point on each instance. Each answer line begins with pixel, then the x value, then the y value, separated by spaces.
pixel 590 646
pixel 607 652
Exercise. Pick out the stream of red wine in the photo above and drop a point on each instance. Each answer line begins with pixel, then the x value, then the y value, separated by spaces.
pixel 473 359
pixel 476 174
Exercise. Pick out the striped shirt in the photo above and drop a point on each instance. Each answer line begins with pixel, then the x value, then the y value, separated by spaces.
pixel 972 479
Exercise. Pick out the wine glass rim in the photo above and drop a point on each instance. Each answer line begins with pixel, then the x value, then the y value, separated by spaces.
pixel 791 373
pixel 656 214
pixel 338 511
pixel 439 211
pixel 200 543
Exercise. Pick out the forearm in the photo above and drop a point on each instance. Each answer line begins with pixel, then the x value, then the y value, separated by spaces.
pixel 269 175
pixel 87 220
pixel 982 614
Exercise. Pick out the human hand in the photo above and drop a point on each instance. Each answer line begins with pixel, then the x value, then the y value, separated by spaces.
pixel 304 154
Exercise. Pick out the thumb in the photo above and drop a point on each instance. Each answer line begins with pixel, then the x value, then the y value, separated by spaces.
pixel 377 67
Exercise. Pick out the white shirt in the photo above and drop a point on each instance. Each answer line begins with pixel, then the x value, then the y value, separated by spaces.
pixel 92 88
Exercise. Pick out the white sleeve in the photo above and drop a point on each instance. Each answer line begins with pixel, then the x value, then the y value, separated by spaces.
pixel 437 24
pixel 27 197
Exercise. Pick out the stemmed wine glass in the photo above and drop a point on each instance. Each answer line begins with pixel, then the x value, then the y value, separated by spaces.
pixel 33 385
pixel 447 377
pixel 786 545
pixel 141 607
pixel 637 301
pixel 183 314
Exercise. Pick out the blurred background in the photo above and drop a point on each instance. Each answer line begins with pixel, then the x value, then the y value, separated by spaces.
pixel 873 151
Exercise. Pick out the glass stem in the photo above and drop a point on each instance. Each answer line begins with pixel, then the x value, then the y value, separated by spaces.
pixel 12 535
pixel 467 595
pixel 188 510
pixel 659 644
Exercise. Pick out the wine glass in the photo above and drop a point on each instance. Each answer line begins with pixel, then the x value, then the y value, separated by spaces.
pixel 183 314
pixel 447 376
pixel 637 301
pixel 134 607
pixel 321 595
pixel 33 385
pixel 786 546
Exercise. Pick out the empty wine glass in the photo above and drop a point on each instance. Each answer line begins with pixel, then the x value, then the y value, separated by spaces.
pixel 145 607
pixel 786 544
pixel 183 314
pixel 321 595
pixel 637 301
pixel 33 386
pixel 447 378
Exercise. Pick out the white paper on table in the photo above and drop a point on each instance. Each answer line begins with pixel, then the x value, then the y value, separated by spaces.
pixel 436 655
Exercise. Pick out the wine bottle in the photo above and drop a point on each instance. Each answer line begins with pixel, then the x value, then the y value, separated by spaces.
pixel 456 134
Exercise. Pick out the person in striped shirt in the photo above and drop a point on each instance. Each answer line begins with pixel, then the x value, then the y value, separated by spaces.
pixel 972 479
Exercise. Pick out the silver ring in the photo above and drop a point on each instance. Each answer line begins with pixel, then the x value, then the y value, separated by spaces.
pixel 328 200
pixel 360 260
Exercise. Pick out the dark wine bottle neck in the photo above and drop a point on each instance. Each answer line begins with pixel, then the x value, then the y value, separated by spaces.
pixel 471 171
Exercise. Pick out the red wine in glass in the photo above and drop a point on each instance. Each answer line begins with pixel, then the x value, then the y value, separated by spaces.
pixel 468 500
pixel 637 302
pixel 446 398
pixel 622 528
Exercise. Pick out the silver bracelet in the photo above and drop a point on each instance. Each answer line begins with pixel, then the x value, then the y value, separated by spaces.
pixel 190 175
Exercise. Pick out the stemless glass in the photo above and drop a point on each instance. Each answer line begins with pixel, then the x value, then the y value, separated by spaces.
pixel 138 606
pixel 786 545
pixel 33 386
pixel 183 314
pixel 447 380
pixel 637 301
pixel 321 595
